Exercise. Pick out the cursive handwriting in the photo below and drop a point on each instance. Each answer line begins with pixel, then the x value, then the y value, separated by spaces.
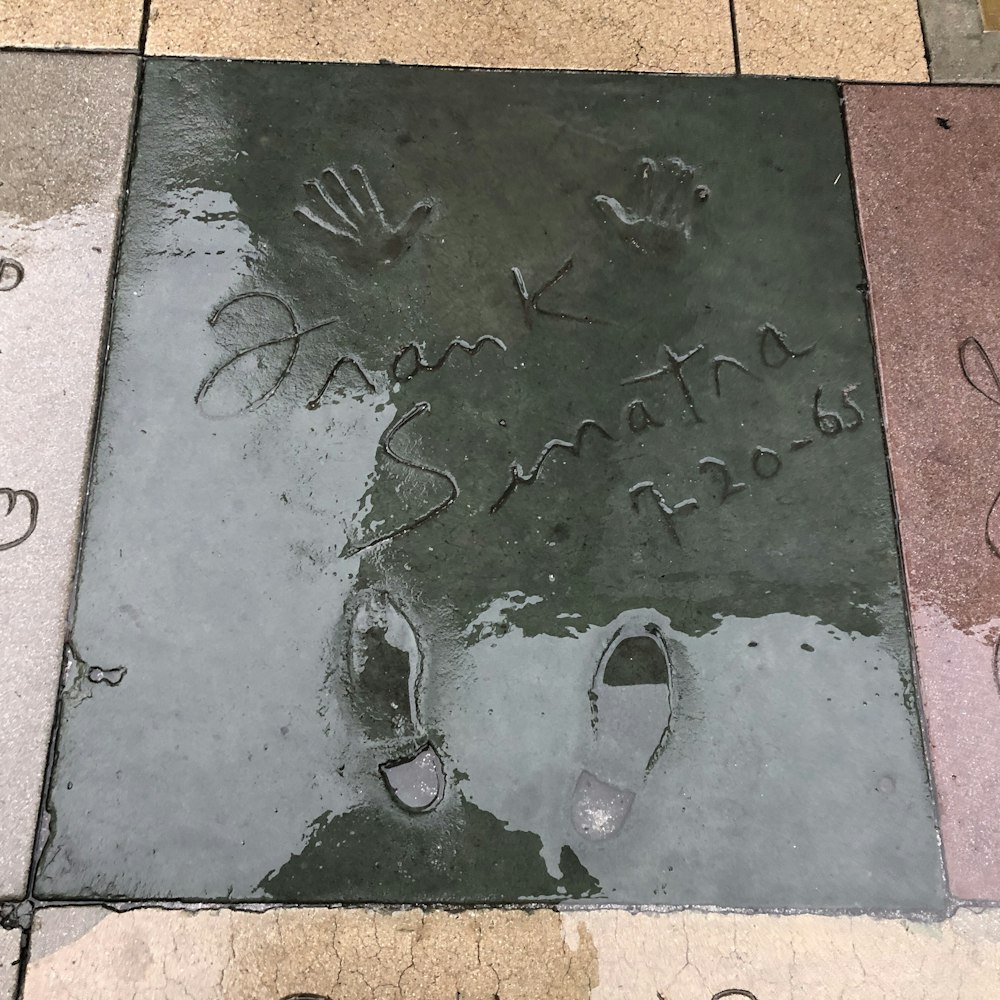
pixel 386 443
pixel 530 300
pixel 518 477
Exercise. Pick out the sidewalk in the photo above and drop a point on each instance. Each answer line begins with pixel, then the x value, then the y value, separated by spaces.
pixel 479 529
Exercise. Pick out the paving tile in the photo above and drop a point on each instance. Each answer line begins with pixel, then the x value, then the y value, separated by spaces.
pixel 64 133
pixel 930 208
pixel 959 50
pixel 847 39
pixel 10 950
pixel 693 37
pixel 79 24
pixel 318 954
pixel 419 566
pixel 990 11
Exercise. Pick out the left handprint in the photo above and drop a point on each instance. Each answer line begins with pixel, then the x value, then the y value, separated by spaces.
pixel 362 235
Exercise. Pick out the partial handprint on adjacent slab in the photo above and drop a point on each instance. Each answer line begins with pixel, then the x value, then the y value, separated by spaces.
pixel 355 219
pixel 11 274
pixel 25 527
pixel 661 202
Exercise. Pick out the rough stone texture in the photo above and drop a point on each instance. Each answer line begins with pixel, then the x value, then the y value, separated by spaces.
pixel 10 948
pixel 960 51
pixel 693 37
pixel 848 39
pixel 347 954
pixel 926 161
pixel 64 131
pixel 81 24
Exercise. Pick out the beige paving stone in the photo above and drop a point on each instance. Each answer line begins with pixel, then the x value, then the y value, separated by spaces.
pixel 847 39
pixel 64 132
pixel 656 35
pixel 10 948
pixel 80 24
pixel 514 955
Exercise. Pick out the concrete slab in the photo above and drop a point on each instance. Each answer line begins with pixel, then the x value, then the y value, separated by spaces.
pixel 926 172
pixel 693 37
pixel 64 133
pixel 960 51
pixel 846 39
pixel 319 954
pixel 416 566
pixel 77 24
pixel 10 954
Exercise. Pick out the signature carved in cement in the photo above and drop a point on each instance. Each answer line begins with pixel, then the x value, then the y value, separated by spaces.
pixel 386 443
pixel 530 301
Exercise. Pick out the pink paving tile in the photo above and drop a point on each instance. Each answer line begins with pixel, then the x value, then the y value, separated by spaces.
pixel 927 166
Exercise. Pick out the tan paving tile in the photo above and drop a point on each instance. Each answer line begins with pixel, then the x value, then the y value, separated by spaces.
pixel 64 131
pixel 848 39
pixel 10 947
pixel 690 37
pixel 346 954
pixel 82 24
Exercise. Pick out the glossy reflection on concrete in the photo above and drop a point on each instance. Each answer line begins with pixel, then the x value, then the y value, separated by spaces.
pixel 926 165
pixel 525 421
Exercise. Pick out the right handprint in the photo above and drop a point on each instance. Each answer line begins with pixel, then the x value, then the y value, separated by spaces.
pixel 661 202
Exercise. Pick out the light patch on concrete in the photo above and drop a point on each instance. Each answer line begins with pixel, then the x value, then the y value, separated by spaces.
pixel 10 948
pixel 693 37
pixel 343 954
pixel 846 39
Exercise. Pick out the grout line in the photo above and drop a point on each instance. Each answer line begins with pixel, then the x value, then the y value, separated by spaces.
pixel 929 917
pixel 70 50
pixel 465 67
pixel 736 37
pixel 144 27
pixel 926 40
pixel 112 285
pixel 900 557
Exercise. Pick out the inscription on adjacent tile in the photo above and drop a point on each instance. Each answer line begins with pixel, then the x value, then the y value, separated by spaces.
pixel 938 148
pixel 11 274
pixel 490 504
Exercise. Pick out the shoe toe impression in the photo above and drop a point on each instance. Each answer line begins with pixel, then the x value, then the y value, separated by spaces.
pixel 416 783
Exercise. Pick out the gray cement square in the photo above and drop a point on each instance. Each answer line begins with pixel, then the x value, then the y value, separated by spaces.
pixel 64 132
pixel 960 51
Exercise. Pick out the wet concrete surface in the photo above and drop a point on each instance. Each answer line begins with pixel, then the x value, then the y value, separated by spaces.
pixel 926 166
pixel 489 504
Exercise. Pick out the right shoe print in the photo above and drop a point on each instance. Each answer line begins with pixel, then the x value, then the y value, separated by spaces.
pixel 631 703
